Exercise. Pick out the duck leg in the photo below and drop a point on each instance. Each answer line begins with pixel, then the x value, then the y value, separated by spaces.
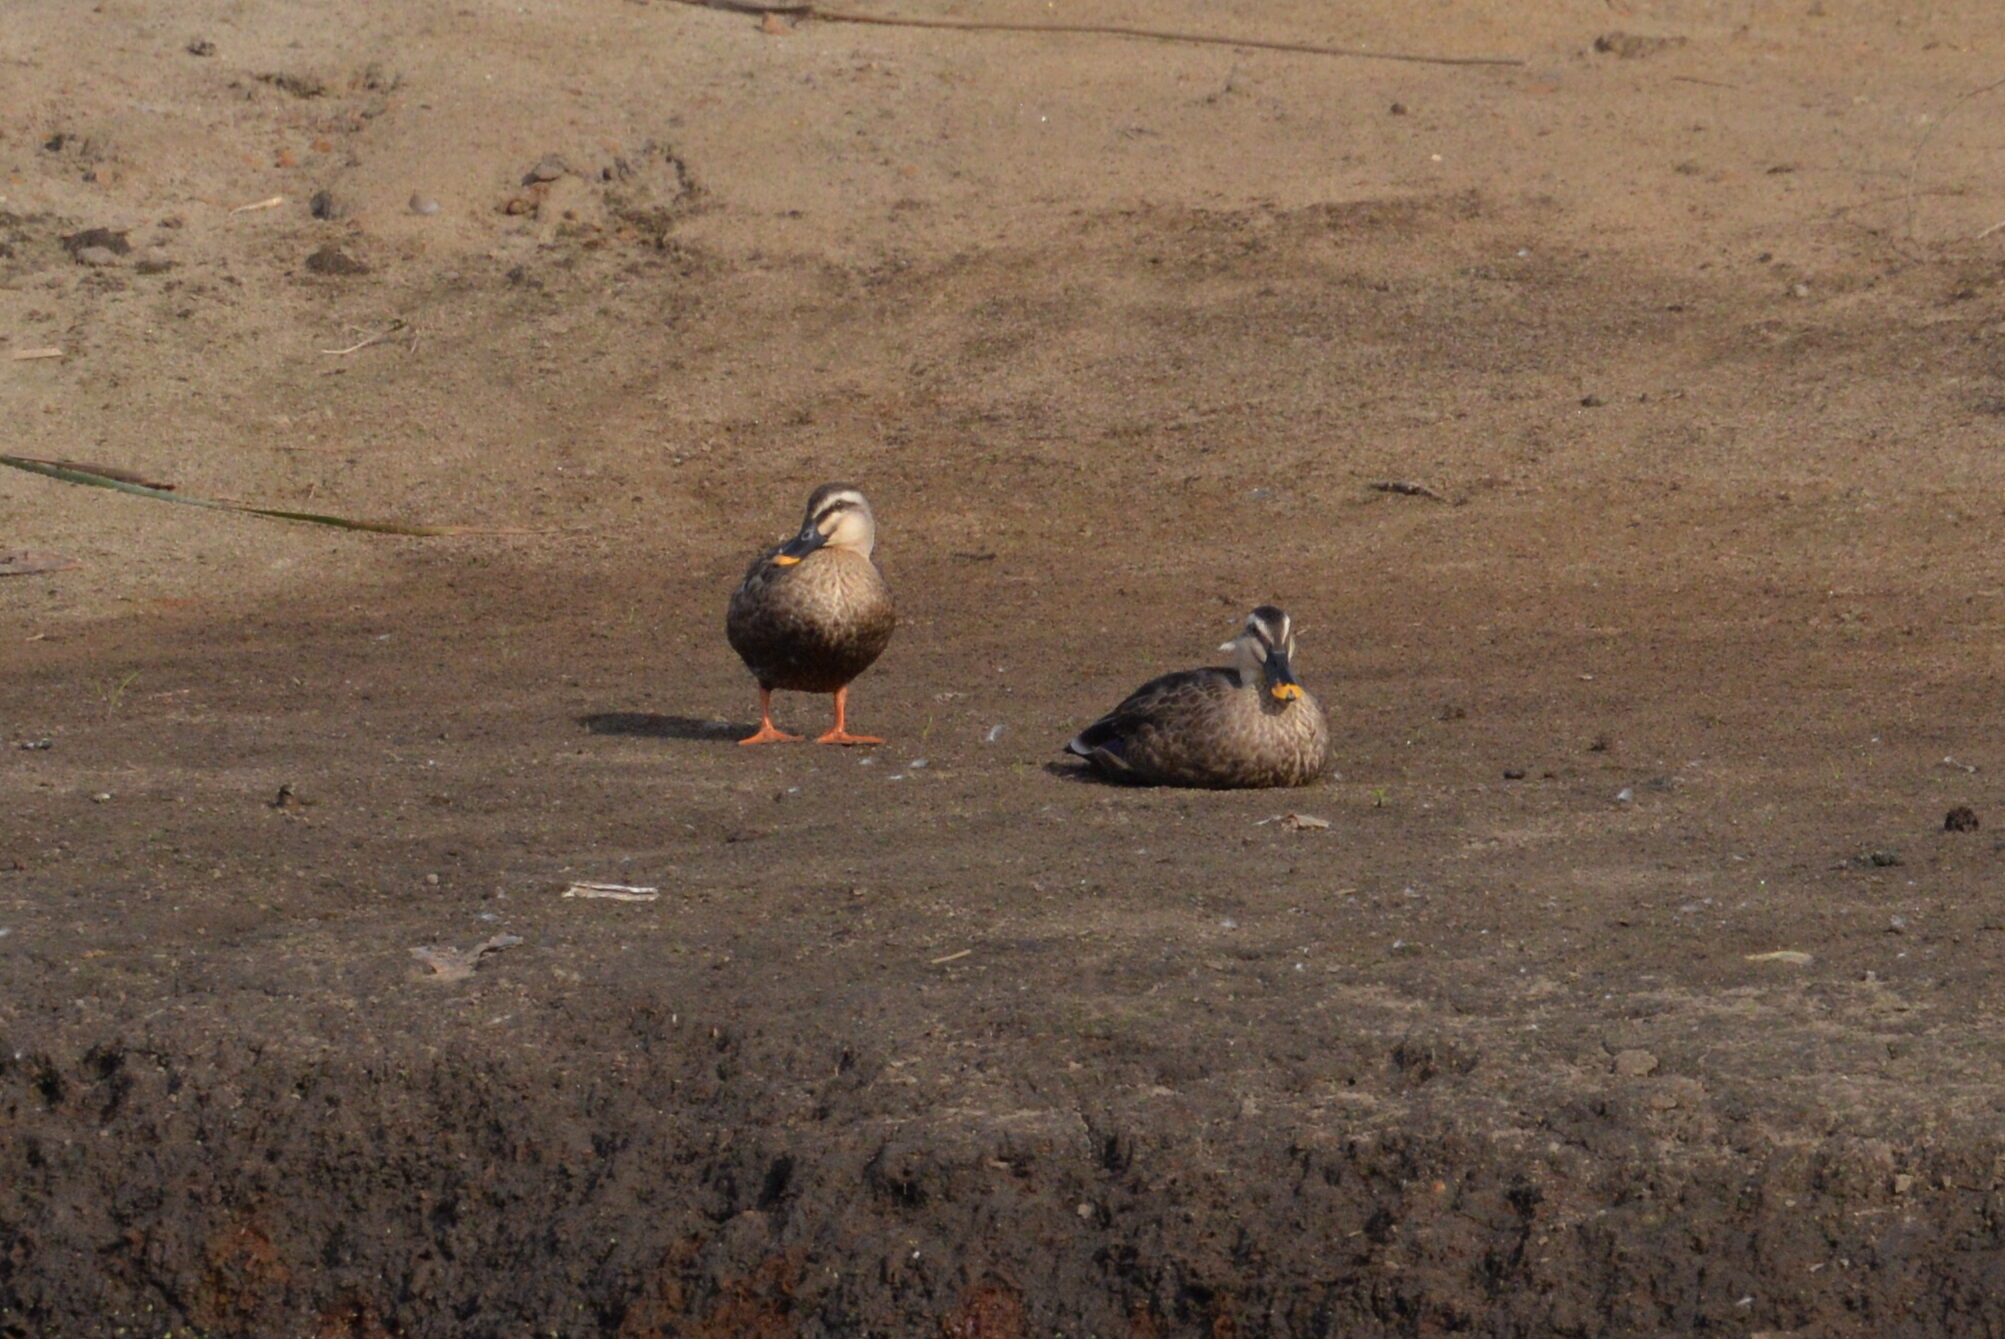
pixel 840 735
pixel 768 732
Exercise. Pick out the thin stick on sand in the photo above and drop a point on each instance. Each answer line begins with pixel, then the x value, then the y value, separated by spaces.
pixel 799 10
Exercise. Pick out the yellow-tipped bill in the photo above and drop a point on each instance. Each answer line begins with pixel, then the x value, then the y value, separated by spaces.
pixel 800 546
pixel 1280 676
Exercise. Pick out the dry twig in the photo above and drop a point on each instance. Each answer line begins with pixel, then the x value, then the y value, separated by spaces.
pixel 376 338
pixel 802 9
pixel 1914 162
pixel 1405 489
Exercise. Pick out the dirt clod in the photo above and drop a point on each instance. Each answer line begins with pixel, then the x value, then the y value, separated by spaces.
pixel 97 240
pixel 1634 1064
pixel 1635 46
pixel 332 260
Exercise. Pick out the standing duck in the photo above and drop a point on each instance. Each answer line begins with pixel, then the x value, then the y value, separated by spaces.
pixel 814 612
pixel 1247 724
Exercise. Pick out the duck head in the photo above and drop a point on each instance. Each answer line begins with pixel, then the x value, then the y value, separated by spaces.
pixel 1265 650
pixel 838 517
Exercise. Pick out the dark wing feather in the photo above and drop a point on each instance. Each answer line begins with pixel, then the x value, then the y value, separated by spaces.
pixel 1106 739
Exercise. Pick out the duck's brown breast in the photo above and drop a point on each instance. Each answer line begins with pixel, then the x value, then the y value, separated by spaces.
pixel 814 626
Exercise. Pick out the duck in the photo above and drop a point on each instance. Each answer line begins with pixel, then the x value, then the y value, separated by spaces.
pixel 814 612
pixel 1246 724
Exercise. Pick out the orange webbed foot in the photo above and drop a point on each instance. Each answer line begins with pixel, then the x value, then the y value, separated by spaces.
pixel 770 735
pixel 842 736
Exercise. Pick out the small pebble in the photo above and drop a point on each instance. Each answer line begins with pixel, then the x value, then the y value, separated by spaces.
pixel 550 167
pixel 101 797
pixel 424 204
pixel 97 255
pixel 1960 819
pixel 201 46
pixel 432 879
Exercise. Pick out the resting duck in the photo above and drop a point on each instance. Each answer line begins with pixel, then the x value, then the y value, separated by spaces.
pixel 814 612
pixel 1247 724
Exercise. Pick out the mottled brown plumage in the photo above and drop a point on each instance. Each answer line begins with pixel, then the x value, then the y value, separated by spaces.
pixel 814 612
pixel 1248 724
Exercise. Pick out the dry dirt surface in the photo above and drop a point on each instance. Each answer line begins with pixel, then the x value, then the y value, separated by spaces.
pixel 1636 986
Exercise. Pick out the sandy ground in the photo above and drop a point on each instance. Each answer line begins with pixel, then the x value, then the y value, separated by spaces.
pixel 1692 334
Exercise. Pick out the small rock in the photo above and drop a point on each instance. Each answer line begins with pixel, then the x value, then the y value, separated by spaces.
pixel 154 265
pixel 1903 1183
pixel 432 880
pixel 34 745
pixel 201 46
pixel 423 204
pixel 1514 774
pixel 323 205
pixel 98 255
pixel 1397 109
pixel 332 260
pixel 548 168
pixel 1960 819
pixel 1799 290
pixel 101 797
pixel 1634 1064
pixel 1592 402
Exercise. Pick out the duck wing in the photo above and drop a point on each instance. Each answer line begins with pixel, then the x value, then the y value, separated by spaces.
pixel 1105 742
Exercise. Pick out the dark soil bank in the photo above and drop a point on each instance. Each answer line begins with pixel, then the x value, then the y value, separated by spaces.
pixel 714 1183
